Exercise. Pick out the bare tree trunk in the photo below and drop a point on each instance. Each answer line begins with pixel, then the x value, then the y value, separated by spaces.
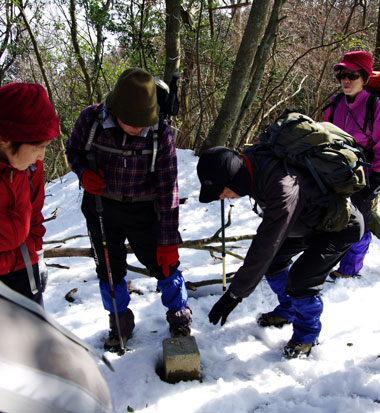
pixel 211 76
pixel 229 111
pixel 74 39
pixel 38 54
pixel 237 24
pixel 185 138
pixel 199 80
pixel 257 70
pixel 172 39
pixel 8 55
pixel 45 77
pixel 98 58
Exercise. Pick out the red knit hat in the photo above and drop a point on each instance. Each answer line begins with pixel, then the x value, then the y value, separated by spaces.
pixel 26 114
pixel 355 61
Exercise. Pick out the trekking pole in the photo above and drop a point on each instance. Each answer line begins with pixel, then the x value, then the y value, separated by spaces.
pixel 223 245
pixel 99 209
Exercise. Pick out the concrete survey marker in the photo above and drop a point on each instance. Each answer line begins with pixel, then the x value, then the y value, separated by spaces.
pixel 181 359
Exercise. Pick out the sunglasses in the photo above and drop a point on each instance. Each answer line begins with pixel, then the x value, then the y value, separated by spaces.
pixel 350 76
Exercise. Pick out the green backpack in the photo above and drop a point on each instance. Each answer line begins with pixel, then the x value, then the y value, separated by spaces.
pixel 332 156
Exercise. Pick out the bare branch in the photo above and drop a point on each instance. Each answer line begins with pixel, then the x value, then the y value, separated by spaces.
pixel 63 241
pixel 53 215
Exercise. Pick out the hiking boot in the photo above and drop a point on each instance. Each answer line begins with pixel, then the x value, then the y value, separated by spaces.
pixel 295 350
pixel 179 322
pixel 271 320
pixel 336 274
pixel 127 325
pixel 112 343
pixel 179 331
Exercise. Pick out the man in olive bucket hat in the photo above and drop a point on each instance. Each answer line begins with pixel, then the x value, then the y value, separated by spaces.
pixel 137 184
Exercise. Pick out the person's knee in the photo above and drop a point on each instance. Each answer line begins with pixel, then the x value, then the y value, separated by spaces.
pixel 355 228
pixel 303 284
pixel 276 269
pixel 300 291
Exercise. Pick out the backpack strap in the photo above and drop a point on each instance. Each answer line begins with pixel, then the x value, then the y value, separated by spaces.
pixel 156 135
pixel 29 268
pixel 333 104
pixel 316 177
pixel 122 152
pixel 157 132
pixel 23 247
pixel 29 173
pixel 94 127
pixel 263 171
pixel 91 135
pixel 370 111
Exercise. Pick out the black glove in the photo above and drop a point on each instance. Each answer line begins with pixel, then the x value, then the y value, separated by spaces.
pixel 372 191
pixel 222 308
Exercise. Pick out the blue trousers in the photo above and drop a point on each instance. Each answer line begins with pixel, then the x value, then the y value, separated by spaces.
pixel 304 313
pixel 306 324
pixel 297 284
pixel 174 292
pixel 122 297
pixel 285 308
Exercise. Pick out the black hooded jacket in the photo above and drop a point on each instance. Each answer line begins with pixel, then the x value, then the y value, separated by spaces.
pixel 286 199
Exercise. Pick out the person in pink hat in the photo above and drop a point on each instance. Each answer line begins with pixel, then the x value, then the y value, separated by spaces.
pixel 349 111
pixel 28 123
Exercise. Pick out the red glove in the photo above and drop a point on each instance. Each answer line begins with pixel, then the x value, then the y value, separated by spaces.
pixel 167 256
pixel 93 182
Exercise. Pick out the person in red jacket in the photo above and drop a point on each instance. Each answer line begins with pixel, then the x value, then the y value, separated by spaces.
pixel 28 123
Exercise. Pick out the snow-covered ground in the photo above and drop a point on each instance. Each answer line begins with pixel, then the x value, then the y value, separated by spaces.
pixel 242 366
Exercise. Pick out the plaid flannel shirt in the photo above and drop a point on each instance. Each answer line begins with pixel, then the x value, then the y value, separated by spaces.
pixel 130 175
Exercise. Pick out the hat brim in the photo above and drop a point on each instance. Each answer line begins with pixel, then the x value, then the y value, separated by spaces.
pixel 345 65
pixel 209 193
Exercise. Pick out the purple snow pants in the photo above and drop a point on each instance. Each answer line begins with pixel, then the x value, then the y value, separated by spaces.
pixel 352 262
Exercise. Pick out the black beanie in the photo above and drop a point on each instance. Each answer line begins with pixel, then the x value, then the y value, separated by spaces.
pixel 221 167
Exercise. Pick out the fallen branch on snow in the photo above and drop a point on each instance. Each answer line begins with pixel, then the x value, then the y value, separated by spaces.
pixel 199 244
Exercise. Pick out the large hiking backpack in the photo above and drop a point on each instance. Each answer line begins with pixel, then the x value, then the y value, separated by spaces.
pixel 373 86
pixel 328 153
pixel 44 367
